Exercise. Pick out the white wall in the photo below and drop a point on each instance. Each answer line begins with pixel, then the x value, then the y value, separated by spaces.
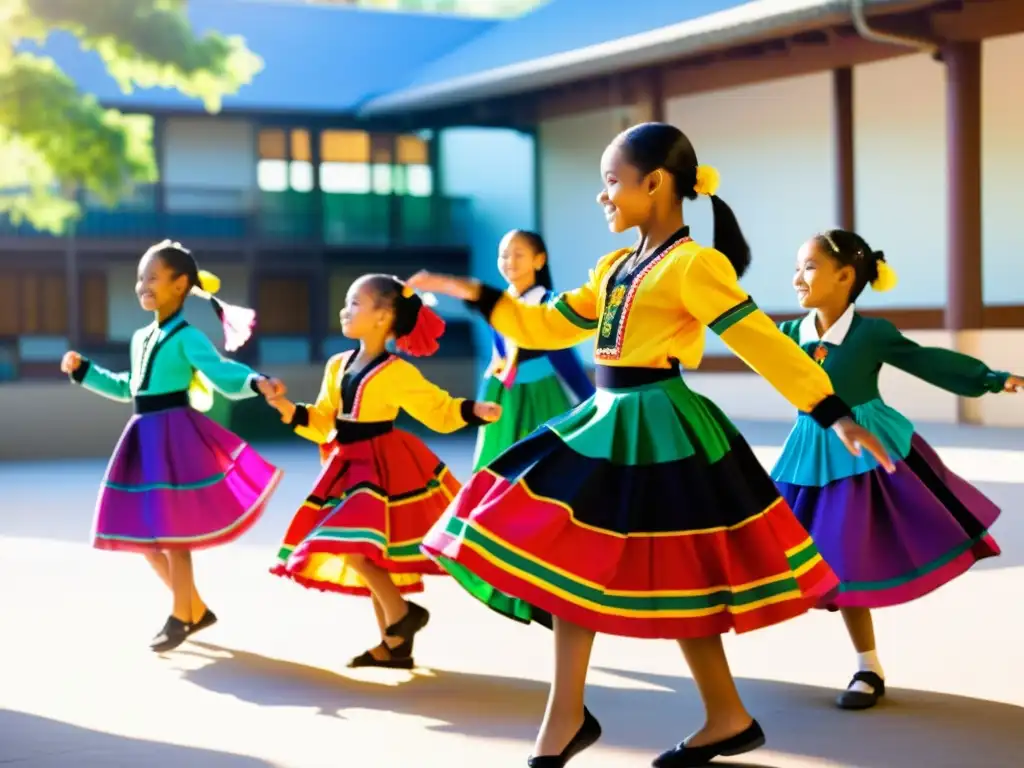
pixel 208 163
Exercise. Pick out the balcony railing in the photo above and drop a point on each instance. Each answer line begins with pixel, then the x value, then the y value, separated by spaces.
pixel 182 213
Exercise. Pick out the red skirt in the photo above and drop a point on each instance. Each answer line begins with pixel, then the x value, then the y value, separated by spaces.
pixel 376 498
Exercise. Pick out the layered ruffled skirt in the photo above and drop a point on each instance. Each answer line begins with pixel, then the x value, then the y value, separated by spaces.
pixel 178 480
pixel 890 538
pixel 536 396
pixel 642 512
pixel 376 498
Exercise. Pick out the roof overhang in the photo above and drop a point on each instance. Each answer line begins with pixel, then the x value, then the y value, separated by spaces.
pixel 748 23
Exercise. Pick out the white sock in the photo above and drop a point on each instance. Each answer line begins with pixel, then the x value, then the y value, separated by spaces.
pixel 867 662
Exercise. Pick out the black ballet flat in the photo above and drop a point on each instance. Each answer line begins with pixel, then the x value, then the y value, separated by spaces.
pixel 207 620
pixel 174 633
pixel 400 658
pixel 415 619
pixel 585 737
pixel 849 699
pixel 682 756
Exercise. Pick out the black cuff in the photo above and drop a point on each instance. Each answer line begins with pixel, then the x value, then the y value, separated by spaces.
pixel 830 410
pixel 301 416
pixel 254 382
pixel 487 301
pixel 466 412
pixel 78 375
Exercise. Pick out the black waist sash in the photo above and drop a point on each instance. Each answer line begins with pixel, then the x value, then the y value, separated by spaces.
pixel 623 377
pixel 357 431
pixel 155 403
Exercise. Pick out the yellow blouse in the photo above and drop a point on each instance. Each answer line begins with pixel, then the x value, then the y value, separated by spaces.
pixel 375 394
pixel 656 312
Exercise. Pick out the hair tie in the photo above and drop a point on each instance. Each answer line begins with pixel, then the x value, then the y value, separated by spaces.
pixel 708 180
pixel 886 279
pixel 407 290
pixel 421 339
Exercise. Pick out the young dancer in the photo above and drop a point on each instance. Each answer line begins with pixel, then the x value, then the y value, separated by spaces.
pixel 889 538
pixel 178 481
pixel 643 512
pixel 532 386
pixel 381 489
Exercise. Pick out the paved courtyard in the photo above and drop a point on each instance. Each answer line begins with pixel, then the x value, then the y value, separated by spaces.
pixel 268 686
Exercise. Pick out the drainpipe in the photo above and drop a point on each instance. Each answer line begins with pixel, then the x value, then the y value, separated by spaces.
pixel 860 23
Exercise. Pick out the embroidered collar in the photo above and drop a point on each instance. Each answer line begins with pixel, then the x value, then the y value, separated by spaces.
pixel 834 335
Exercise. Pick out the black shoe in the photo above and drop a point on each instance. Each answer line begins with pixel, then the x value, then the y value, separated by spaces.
pixel 585 737
pixel 208 619
pixel 400 658
pixel 174 633
pixel 415 619
pixel 682 756
pixel 850 699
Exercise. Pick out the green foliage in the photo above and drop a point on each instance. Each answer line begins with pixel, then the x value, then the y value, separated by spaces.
pixel 55 139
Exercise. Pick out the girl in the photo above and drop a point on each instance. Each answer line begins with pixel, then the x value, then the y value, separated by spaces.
pixel 643 512
pixel 531 385
pixel 889 538
pixel 359 530
pixel 177 480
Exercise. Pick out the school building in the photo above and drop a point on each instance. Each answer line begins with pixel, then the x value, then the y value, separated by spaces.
pixel 393 141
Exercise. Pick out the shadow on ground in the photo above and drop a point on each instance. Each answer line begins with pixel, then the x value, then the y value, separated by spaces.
pixel 38 742
pixel 912 728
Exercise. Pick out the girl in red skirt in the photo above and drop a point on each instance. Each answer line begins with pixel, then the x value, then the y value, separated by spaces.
pixel 381 489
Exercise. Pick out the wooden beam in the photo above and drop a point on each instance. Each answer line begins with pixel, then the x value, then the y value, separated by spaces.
pixel 978 19
pixel 843 147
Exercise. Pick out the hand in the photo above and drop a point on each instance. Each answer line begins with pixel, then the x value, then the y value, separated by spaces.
pixel 70 362
pixel 284 406
pixel 487 411
pixel 855 437
pixel 1013 384
pixel 464 288
pixel 271 388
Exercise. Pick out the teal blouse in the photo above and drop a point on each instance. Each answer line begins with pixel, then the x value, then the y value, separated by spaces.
pixel 855 361
pixel 164 358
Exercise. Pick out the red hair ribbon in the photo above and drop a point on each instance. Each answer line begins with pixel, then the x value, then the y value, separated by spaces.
pixel 421 341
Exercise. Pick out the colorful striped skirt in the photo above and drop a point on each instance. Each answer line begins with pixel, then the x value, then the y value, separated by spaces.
pixel 377 498
pixel 642 513
pixel 536 396
pixel 890 538
pixel 178 480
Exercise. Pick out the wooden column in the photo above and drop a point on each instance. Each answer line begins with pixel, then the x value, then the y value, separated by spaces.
pixel 320 283
pixel 964 304
pixel 963 159
pixel 649 104
pixel 843 147
pixel 73 288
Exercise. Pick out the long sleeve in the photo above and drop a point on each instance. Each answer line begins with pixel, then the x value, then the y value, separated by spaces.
pixel 231 378
pixel 952 371
pixel 569 367
pixel 98 379
pixel 315 421
pixel 430 405
pixel 712 294
pixel 561 323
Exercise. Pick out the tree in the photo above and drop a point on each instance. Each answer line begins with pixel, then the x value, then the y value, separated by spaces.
pixel 53 137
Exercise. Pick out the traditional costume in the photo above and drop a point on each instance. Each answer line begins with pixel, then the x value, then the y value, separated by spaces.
pixel 890 538
pixel 177 480
pixel 531 385
pixel 642 512
pixel 381 489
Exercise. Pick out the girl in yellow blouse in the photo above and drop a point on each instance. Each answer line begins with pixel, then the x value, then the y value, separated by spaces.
pixel 381 489
pixel 643 512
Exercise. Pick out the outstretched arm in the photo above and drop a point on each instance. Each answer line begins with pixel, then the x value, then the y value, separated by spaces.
pixel 315 421
pixel 96 378
pixel 432 406
pixel 230 377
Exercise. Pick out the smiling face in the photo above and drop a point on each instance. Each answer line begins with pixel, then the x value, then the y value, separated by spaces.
pixel 819 279
pixel 627 195
pixel 518 262
pixel 364 314
pixel 157 287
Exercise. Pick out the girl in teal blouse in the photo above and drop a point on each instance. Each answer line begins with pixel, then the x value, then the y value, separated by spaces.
pixel 177 480
pixel 890 538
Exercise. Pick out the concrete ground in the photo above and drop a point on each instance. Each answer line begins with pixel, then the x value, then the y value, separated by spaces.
pixel 268 686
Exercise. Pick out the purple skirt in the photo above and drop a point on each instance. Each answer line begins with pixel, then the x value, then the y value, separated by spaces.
pixel 178 480
pixel 893 538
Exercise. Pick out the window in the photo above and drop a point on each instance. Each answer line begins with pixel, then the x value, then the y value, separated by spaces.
pixel 33 304
pixel 282 306
pixel 94 305
pixel 413 173
pixel 285 160
pixel 344 162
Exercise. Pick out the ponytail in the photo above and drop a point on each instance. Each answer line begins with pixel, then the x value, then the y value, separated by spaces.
pixel 728 238
pixel 238 322
pixel 417 327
